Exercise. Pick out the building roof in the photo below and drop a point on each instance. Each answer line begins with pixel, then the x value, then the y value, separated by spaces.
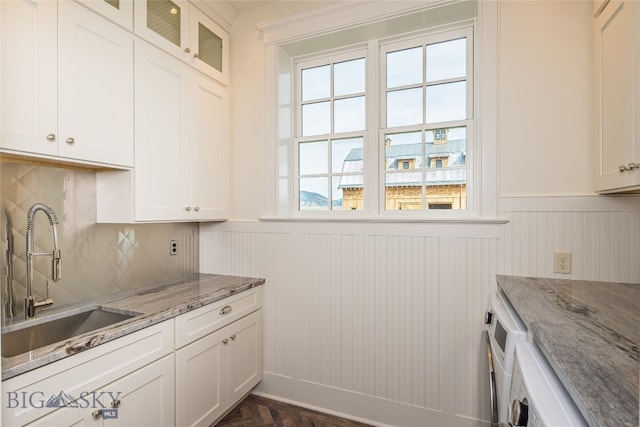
pixel 455 174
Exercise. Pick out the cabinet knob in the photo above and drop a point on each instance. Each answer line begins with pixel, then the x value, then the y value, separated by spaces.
pixel 197 209
pixel 233 337
pixel 187 50
pixel 116 403
pixel 96 414
pixel 70 140
pixel 195 55
pixel 225 341
pixel 188 209
pixel 51 137
pixel 628 167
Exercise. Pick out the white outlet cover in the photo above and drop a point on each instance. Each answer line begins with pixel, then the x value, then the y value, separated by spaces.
pixel 562 262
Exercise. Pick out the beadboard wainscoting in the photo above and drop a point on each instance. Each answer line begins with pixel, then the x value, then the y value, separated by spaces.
pixel 382 322
pixel 373 321
pixel 601 232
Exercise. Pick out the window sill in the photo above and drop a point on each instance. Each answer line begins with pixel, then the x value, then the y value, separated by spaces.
pixel 387 220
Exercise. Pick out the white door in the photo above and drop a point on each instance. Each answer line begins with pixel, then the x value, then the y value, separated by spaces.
pixel 200 371
pixel 28 51
pixel 162 99
pixel 207 159
pixel 143 398
pixel 245 356
pixel 616 42
pixel 96 88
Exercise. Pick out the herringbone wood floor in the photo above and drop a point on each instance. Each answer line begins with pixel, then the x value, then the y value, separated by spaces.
pixel 257 411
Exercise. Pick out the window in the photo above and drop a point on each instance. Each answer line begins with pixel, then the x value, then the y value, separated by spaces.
pixel 427 84
pixel 463 188
pixel 423 110
pixel 332 124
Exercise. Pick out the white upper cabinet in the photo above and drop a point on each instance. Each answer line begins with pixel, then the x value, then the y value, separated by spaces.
pixel 181 29
pixel 28 51
pixel 617 39
pixel 181 172
pixel 67 84
pixel 118 11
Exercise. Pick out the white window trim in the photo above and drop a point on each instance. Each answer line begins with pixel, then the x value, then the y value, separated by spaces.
pixel 452 31
pixel 279 85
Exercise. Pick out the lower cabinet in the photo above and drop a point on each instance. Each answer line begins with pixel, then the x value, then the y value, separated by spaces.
pixel 216 371
pixel 187 371
pixel 142 398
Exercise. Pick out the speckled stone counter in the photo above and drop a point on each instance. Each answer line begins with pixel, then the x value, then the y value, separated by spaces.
pixel 150 305
pixel 590 334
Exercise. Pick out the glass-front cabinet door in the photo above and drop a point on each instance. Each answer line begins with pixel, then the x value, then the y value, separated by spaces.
pixel 118 11
pixel 184 31
pixel 210 52
pixel 164 23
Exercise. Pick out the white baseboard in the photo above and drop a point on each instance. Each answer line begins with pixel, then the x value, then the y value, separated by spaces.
pixel 355 406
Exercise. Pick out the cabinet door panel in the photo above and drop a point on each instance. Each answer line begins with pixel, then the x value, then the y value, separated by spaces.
pixel 200 366
pixel 617 73
pixel 96 88
pixel 210 46
pixel 118 11
pixel 617 78
pixel 207 153
pixel 164 23
pixel 161 95
pixel 245 355
pixel 28 50
pixel 146 396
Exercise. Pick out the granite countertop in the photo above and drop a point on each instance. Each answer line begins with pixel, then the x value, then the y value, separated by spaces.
pixel 590 334
pixel 151 305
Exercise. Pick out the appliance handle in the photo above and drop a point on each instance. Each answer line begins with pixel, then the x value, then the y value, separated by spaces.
pixel 492 383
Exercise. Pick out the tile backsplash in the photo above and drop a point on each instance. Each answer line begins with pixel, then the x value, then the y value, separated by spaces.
pixel 97 259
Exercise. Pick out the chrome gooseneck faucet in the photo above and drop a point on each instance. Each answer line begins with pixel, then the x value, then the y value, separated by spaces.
pixel 30 301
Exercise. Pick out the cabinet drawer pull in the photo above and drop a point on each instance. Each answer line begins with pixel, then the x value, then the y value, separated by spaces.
pixel 225 310
pixel 70 141
pixel 233 337
pixel 188 208
pixel 195 55
pixel 51 137
pixel 225 341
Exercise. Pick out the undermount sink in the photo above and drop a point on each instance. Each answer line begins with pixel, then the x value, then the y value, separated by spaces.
pixel 42 334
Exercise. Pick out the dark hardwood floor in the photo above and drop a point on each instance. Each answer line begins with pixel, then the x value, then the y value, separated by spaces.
pixel 257 411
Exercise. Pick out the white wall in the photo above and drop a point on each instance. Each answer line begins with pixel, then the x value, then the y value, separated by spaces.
pixel 383 321
pixel 546 98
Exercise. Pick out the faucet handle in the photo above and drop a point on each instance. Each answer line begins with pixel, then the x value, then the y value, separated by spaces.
pixel 56 266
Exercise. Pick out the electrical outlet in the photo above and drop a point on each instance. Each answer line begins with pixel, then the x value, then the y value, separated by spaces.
pixel 562 262
pixel 173 248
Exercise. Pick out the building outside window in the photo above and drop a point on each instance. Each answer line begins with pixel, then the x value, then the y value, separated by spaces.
pixel 423 110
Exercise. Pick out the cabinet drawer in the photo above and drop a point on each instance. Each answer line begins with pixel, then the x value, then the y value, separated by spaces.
pixel 198 323
pixel 25 397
